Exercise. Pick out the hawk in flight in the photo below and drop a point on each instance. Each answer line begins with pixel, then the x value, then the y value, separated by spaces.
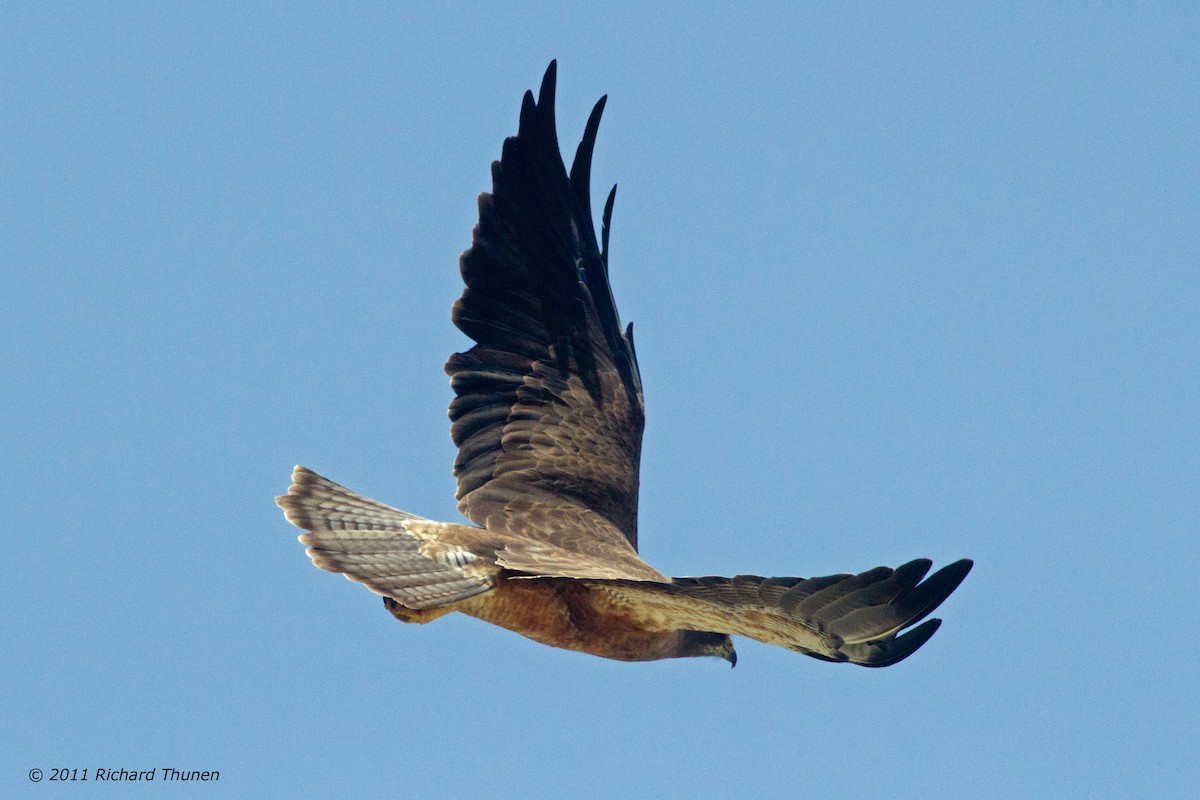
pixel 548 418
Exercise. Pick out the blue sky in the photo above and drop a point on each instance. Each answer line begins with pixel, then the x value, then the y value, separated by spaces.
pixel 919 283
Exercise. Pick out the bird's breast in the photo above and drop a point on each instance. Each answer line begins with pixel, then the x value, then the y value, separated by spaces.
pixel 569 614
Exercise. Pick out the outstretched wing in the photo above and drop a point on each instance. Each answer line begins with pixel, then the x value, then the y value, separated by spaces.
pixel 548 412
pixel 853 618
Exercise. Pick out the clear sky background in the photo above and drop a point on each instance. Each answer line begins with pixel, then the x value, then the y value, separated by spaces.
pixel 919 283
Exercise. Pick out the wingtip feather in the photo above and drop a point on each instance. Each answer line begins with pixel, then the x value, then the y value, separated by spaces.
pixel 905 645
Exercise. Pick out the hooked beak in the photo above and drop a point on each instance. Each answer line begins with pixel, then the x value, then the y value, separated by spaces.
pixel 731 657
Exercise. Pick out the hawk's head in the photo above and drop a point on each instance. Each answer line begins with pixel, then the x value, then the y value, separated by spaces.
pixel 707 643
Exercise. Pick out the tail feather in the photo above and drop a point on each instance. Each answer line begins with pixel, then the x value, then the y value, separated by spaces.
pixel 391 552
pixel 313 501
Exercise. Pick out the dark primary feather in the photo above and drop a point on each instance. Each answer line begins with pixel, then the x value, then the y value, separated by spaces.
pixel 549 401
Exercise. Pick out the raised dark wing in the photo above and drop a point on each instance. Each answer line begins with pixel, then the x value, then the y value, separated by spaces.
pixel 855 618
pixel 548 412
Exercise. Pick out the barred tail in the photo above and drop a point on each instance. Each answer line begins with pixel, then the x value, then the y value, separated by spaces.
pixel 391 552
